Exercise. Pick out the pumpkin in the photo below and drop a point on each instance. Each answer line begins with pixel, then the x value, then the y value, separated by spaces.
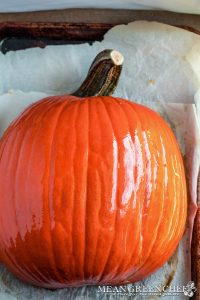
pixel 92 187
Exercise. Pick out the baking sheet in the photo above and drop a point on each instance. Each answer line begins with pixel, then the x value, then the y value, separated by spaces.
pixel 191 6
pixel 160 70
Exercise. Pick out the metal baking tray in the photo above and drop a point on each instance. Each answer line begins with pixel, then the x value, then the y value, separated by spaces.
pixel 22 35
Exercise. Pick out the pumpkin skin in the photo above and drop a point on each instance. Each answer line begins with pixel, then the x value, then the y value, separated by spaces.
pixel 92 192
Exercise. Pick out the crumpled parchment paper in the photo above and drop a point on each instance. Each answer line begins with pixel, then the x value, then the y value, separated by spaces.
pixel 161 71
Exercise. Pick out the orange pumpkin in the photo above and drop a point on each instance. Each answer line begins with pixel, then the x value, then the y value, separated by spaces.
pixel 92 189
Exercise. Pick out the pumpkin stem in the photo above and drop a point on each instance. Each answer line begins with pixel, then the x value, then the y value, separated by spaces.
pixel 103 75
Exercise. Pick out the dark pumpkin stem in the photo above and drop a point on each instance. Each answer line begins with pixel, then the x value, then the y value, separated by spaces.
pixel 103 75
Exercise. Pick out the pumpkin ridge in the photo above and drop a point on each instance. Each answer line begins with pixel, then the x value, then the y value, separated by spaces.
pixel 9 163
pixel 87 270
pixel 26 269
pixel 33 108
pixel 97 239
pixel 48 106
pixel 131 105
pixel 145 265
pixel 175 229
pixel 179 165
pixel 69 118
pixel 122 107
pixel 134 108
pixel 17 162
pixel 46 109
pixel 52 255
pixel 165 197
pixel 75 118
pixel 62 231
pixel 100 117
pixel 110 251
pixel 183 181
pixel 86 192
pixel 149 266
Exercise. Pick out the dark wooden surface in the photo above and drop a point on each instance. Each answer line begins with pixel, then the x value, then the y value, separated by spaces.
pixel 22 35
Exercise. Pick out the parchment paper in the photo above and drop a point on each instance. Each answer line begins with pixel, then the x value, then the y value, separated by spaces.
pixel 160 71
pixel 162 63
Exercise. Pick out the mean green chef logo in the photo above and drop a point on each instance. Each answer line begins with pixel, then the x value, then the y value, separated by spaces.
pixel 187 290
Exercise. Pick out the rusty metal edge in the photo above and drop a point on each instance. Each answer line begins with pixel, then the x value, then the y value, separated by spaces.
pixel 69 31
pixel 63 30
pixel 195 247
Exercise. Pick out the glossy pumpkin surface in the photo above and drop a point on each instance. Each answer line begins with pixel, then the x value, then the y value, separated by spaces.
pixel 92 191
